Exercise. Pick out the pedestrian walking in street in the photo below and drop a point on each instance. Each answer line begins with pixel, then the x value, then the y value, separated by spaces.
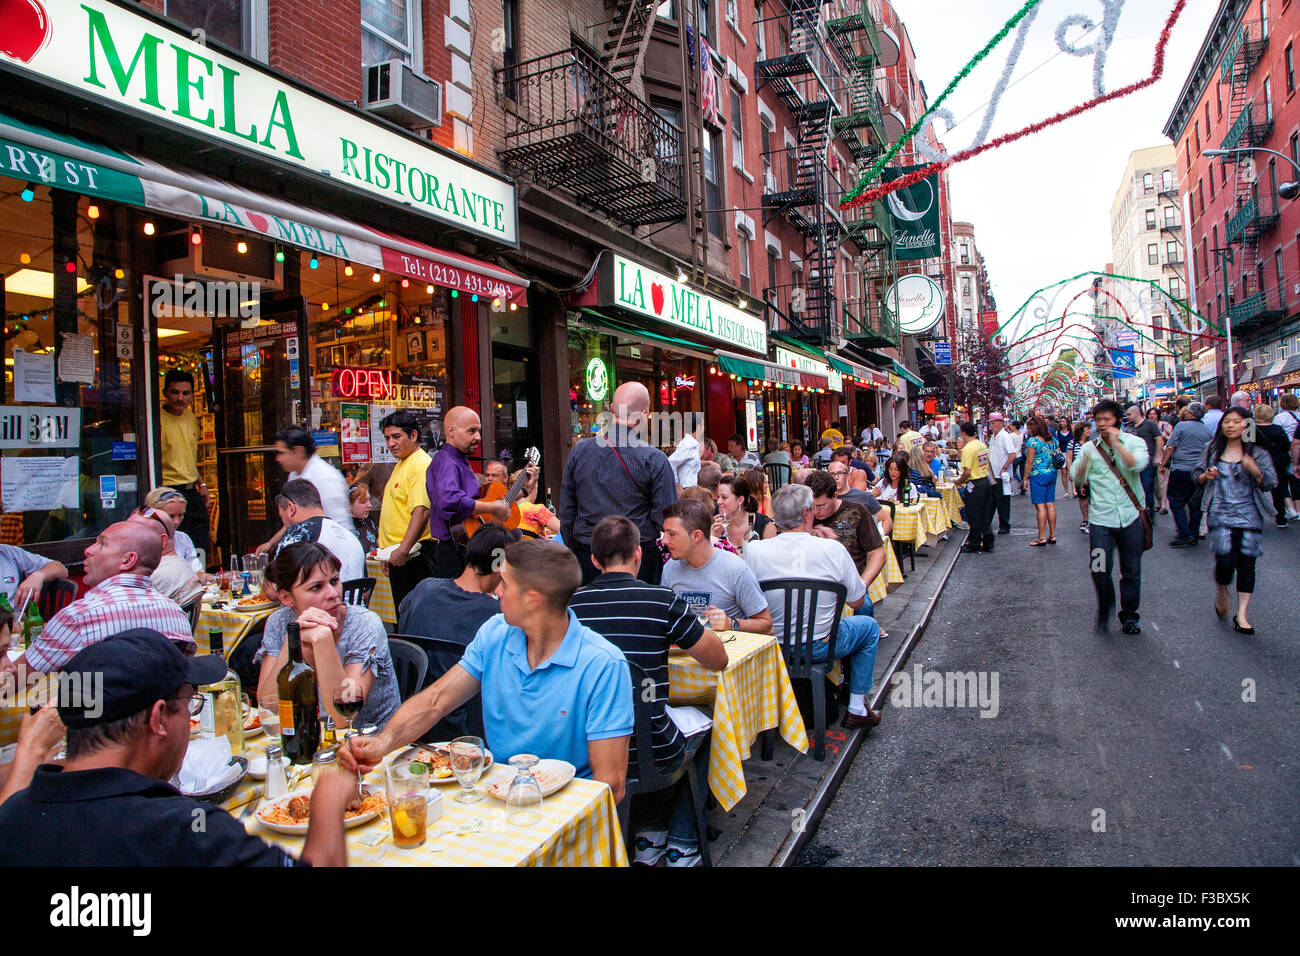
pixel 1149 432
pixel 1111 467
pixel 1071 454
pixel 1236 474
pixel 1289 419
pixel 1166 427
pixel 1040 478
pixel 617 472
pixel 1273 439
pixel 1213 412
pixel 979 490
pixel 1004 449
pixel 1062 434
pixel 1181 457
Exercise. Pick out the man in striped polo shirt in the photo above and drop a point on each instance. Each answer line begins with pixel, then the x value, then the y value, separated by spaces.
pixel 643 620
pixel 121 596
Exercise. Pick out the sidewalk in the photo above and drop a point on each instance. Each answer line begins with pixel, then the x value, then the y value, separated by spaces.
pixel 788 794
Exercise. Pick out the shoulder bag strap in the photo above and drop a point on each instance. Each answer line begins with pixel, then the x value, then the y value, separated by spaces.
pixel 636 484
pixel 1122 480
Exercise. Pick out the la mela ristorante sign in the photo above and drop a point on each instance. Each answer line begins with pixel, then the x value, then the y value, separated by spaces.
pixel 640 289
pixel 110 53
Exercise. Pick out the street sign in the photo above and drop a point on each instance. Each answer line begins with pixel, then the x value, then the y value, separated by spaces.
pixel 943 353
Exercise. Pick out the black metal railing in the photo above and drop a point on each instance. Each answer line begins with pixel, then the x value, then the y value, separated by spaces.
pixel 800 176
pixel 573 125
pixel 1253 218
pixel 1256 308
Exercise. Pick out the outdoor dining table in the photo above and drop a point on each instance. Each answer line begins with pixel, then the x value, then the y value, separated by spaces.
pixel 951 498
pixel 579 827
pixel 234 625
pixel 909 524
pixel 752 694
pixel 381 602
pixel 889 578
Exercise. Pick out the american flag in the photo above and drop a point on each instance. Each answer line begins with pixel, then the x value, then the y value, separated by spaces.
pixel 708 86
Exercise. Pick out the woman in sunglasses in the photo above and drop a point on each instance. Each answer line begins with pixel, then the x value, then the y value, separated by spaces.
pixel 172 502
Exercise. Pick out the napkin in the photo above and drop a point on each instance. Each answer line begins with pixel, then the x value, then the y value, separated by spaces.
pixel 383 554
pixel 207 767
pixel 689 720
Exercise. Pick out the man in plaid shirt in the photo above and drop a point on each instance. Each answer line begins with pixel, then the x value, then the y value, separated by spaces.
pixel 121 597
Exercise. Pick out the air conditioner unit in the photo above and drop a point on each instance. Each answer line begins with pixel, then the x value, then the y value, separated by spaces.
pixel 769 181
pixel 218 257
pixel 396 92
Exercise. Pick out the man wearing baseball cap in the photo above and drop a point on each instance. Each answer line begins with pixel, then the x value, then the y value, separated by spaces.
pixel 111 805
pixel 1004 449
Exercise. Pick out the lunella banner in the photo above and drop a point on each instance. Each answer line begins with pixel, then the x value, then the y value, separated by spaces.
pixel 915 212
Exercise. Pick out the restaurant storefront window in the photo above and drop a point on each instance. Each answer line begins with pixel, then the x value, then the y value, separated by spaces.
pixel 69 431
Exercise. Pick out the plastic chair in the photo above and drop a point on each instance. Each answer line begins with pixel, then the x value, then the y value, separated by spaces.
pixel 779 474
pixel 194 609
pixel 801 599
pixel 650 779
pixel 442 655
pixel 54 597
pixel 409 664
pixel 359 591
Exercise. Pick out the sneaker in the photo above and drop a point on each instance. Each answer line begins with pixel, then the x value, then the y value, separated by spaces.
pixel 649 847
pixel 682 856
pixel 1293 516
pixel 1085 528
pixel 1132 627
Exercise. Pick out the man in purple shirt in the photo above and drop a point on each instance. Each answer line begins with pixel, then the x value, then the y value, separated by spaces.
pixel 453 490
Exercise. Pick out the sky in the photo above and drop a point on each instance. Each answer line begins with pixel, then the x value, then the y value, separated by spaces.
pixel 1041 205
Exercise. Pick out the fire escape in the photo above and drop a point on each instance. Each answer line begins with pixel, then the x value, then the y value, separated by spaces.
pixel 1253 215
pixel 798 181
pixel 574 123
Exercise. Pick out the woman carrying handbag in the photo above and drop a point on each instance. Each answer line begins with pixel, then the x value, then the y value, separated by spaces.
pixel 1235 475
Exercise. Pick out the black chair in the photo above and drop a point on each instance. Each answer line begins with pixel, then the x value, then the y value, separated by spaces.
pixel 779 474
pixel 442 655
pixel 55 596
pixel 239 657
pixel 193 610
pixel 359 591
pixel 410 666
pixel 650 779
pixel 801 599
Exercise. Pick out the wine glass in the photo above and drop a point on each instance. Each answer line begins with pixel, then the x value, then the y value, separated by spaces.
pixel 524 798
pixel 467 764
pixel 268 709
pixel 349 698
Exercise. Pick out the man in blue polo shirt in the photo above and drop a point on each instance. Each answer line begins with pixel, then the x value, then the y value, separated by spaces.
pixel 550 686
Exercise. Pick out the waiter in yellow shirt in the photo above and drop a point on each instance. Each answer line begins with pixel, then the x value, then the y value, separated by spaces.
pixel 404 514
pixel 909 436
pixel 835 435
pixel 978 490
pixel 180 448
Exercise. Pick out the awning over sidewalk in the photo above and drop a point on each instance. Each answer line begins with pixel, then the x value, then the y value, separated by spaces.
pixel 902 370
pixel 64 162
pixel 745 367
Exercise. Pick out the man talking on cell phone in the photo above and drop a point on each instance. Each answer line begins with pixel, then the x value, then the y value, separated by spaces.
pixel 1111 466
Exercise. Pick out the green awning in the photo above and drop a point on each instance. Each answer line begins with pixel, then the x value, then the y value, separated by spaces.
pixel 615 326
pixel 63 170
pixel 844 368
pixel 742 369
pixel 901 369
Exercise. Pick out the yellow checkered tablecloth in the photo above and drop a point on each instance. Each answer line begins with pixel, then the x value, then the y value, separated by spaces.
pixel 234 625
pixel 381 602
pixel 909 524
pixel 952 499
pixel 751 695
pixel 937 519
pixel 579 827
pixel 890 577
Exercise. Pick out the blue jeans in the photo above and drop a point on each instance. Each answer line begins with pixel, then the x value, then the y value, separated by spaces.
pixel 856 643
pixel 681 818
pixel 1148 478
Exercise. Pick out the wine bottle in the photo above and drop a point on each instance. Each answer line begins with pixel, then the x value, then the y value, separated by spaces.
pixel 225 699
pixel 299 700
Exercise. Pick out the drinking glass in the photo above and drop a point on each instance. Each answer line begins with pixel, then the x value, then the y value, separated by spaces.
pixel 524 798
pixel 467 764
pixel 268 709
pixel 235 576
pixel 348 701
pixel 407 783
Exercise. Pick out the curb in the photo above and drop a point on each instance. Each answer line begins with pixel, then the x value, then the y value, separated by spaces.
pixel 829 787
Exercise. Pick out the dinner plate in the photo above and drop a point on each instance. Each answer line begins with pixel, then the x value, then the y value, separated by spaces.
pixel 300 829
pixel 553 775
pixel 247 608
pixel 409 754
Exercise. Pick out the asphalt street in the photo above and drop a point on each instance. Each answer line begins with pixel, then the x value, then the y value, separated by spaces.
pixel 1105 749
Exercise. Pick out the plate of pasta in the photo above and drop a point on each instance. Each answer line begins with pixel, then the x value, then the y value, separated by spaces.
pixel 438 758
pixel 291 813
pixel 254 602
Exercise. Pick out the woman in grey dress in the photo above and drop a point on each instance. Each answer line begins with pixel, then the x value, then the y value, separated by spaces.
pixel 1236 476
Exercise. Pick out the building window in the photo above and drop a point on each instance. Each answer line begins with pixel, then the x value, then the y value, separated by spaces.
pixel 965 287
pixel 667 9
pixel 760 31
pixel 712 182
pixel 737 131
pixel 1171 216
pixel 1148 183
pixel 771 274
pixel 1200 193
pixel 1211 184
pixel 1281 351
pixel 1268 99
pixel 704 20
pixel 1153 254
pixel 1289 63
pixel 1171 251
pixel 1167 180
pixel 1196 129
pixel 1281 279
pixel 742 244
pixel 1295 149
pixel 965 254
pixel 1151 218
pixel 388 31
pixel 1207 119
pixel 232 22
pixel 510 41
pixel 1218 97
pixel 1175 287
pixel 1263 19
pixel 1272 180
pixel 670 151
pixel 1265 356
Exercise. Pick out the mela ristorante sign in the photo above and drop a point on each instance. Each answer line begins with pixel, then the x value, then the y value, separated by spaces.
pixel 107 52
pixel 629 285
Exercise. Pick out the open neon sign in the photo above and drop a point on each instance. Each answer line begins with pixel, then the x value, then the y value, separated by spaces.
pixel 362 383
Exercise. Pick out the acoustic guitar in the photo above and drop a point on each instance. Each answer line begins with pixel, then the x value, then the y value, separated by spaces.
pixel 497 491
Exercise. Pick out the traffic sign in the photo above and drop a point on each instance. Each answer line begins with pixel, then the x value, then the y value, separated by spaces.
pixel 943 353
